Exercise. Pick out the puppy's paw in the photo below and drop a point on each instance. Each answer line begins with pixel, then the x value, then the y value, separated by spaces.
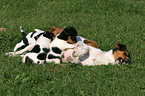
pixel 73 60
pixel 10 53
pixel 77 53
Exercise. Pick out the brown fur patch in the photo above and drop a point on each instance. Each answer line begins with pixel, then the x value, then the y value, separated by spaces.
pixel 121 54
pixel 55 30
pixel 91 43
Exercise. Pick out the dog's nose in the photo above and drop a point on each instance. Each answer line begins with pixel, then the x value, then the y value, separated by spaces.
pixel 75 41
pixel 128 61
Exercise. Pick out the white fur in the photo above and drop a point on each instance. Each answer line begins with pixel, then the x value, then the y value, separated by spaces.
pixel 62 45
pixel 43 42
pixel 93 56
pixel 31 43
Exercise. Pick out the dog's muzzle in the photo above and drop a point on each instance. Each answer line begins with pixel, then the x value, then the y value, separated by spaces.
pixel 121 61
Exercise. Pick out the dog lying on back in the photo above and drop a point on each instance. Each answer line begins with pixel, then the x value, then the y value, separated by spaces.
pixel 87 55
pixel 64 40
pixel 28 41
pixel 39 51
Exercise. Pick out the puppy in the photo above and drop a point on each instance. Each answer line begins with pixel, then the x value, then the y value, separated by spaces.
pixel 56 30
pixel 60 43
pixel 27 42
pixel 40 50
pixel 95 56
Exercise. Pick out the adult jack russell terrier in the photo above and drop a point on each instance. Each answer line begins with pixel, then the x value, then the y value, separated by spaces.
pixel 87 55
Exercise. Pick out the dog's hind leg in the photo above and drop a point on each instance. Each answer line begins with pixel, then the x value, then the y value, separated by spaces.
pixel 18 45
pixel 22 31
pixel 38 30
pixel 27 48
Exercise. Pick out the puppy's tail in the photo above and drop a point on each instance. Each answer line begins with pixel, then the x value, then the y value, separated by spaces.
pixel 22 31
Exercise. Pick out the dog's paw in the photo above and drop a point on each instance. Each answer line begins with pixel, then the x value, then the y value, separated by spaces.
pixel 10 53
pixel 77 53
pixel 73 60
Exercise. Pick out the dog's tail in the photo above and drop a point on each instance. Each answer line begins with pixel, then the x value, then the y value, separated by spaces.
pixel 22 31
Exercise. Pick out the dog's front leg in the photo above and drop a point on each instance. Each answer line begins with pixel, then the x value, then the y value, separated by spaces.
pixel 73 60
pixel 84 50
pixel 68 46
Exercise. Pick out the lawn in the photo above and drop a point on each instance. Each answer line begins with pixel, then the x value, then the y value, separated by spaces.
pixel 106 21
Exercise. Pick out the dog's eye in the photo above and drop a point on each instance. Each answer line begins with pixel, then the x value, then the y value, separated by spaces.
pixel 120 59
pixel 73 38
pixel 125 53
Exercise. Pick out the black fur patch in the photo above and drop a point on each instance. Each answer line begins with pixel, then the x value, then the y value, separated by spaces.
pixel 48 35
pixel 42 56
pixel 28 60
pixel 46 50
pixel 25 41
pixel 50 56
pixel 122 47
pixel 36 37
pixel 24 34
pixel 32 34
pixel 68 31
pixel 56 50
pixel 36 49
pixel 22 47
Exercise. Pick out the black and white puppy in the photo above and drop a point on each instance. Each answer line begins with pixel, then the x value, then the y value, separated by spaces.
pixel 60 43
pixel 40 50
pixel 27 42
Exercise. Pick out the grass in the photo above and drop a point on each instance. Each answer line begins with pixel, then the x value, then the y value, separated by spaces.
pixel 106 21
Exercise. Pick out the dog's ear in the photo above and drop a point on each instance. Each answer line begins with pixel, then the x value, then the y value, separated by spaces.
pixel 121 47
pixel 52 29
pixel 91 43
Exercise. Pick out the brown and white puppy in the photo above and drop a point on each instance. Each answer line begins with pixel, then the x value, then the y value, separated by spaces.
pixel 56 30
pixel 87 55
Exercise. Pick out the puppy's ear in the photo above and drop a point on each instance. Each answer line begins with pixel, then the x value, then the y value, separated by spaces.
pixel 70 30
pixel 86 41
pixel 91 43
pixel 121 47
pixel 52 29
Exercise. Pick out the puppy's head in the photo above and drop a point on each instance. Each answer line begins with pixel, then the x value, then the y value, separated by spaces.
pixel 121 55
pixel 69 34
pixel 91 43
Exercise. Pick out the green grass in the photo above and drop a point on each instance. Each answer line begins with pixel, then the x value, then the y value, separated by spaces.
pixel 106 21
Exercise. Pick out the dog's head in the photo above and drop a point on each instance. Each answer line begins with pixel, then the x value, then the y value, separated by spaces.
pixel 121 55
pixel 68 34
pixel 91 43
